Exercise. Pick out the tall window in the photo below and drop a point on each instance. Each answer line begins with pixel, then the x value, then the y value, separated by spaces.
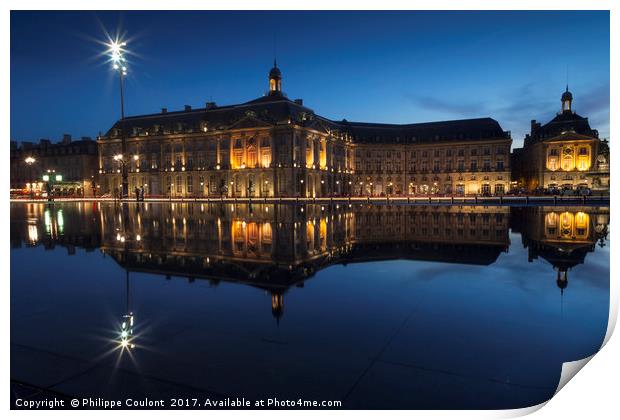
pixel 265 157
pixel 190 186
pixel 252 157
pixel 568 161
pixel 237 154
pixel 179 184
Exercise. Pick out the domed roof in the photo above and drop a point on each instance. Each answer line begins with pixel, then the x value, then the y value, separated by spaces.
pixel 275 73
pixel 567 96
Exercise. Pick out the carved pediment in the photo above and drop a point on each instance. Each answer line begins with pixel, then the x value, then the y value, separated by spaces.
pixel 249 120
pixel 319 126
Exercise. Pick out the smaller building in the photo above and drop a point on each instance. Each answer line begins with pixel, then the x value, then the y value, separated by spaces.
pixel 565 153
pixel 69 168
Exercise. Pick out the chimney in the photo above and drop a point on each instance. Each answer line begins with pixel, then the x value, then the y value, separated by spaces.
pixel 299 102
pixel 164 110
pixel 210 105
pixel 66 138
pixel 188 108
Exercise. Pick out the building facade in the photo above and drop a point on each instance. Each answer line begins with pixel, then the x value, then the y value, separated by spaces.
pixel 565 153
pixel 464 157
pixel 276 147
pixel 68 167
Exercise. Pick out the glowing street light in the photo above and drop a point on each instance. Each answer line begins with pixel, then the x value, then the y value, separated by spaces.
pixel 29 161
pixel 116 49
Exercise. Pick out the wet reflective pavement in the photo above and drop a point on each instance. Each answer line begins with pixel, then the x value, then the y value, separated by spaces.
pixel 373 305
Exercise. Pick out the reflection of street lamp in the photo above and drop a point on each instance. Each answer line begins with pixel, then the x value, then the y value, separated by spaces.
pixel 126 333
pixel 116 50
pixel 127 321
pixel 29 161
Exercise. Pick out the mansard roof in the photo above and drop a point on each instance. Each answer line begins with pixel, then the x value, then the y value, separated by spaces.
pixel 277 109
pixel 564 122
pixel 269 109
pixel 469 129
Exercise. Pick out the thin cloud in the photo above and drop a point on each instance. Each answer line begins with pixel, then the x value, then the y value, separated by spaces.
pixel 525 105
pixel 460 108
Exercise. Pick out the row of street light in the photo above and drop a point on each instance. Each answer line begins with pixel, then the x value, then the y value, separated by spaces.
pixel 47 178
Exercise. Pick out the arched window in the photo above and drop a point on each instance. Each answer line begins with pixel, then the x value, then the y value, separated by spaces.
pixel 568 159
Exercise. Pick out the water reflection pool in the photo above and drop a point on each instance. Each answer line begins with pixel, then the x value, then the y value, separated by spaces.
pixel 375 306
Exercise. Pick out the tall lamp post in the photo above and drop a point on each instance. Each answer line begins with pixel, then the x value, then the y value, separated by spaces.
pixel 29 161
pixel 124 183
pixel 120 66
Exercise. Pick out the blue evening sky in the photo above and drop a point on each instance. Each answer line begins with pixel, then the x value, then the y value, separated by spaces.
pixel 395 67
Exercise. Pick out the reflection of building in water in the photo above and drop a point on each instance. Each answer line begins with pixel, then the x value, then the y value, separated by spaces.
pixel 471 235
pixel 275 246
pixel 562 236
pixel 67 225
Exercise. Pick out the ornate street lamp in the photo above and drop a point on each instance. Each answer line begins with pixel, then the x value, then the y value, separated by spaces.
pixel 29 161
pixel 119 64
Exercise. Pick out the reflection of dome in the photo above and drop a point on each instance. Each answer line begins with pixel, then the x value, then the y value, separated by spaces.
pixel 562 280
pixel 277 305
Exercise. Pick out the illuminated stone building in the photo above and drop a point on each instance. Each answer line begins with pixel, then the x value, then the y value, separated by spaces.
pixel 276 147
pixel 70 165
pixel 564 153
pixel 450 157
